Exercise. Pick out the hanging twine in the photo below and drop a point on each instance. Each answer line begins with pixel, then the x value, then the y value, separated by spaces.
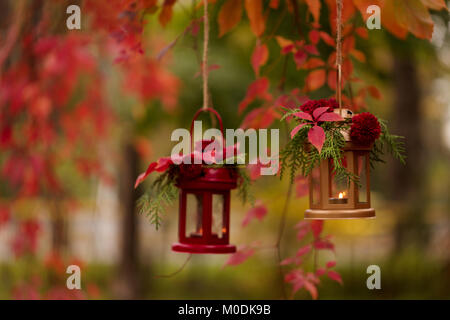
pixel 339 53
pixel 205 54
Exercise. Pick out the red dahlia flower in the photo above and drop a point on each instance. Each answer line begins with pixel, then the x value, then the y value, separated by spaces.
pixel 365 128
pixel 312 105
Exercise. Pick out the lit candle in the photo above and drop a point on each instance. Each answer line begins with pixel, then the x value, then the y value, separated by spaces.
pixel 340 199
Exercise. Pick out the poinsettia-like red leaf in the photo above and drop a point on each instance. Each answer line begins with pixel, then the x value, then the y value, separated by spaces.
pixel 330 116
pixel 316 136
pixel 319 111
pixel 258 212
pixel 296 129
pixel 145 174
pixel 303 115
pixel 333 275
pixel 163 164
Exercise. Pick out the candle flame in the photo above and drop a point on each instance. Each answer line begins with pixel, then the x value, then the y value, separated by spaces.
pixel 224 230
pixel 341 195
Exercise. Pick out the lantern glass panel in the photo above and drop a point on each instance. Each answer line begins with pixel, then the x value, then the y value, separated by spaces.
pixel 194 215
pixel 362 173
pixel 218 215
pixel 315 185
pixel 338 191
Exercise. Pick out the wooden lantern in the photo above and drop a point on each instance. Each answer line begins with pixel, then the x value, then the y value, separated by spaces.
pixel 204 210
pixel 333 199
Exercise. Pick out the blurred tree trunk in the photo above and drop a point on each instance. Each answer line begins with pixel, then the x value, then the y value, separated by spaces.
pixel 128 280
pixel 59 227
pixel 408 180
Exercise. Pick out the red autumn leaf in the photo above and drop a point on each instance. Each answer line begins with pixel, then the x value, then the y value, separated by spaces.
pixel 292 260
pixel 300 57
pixel 332 81
pixel 348 10
pixel 314 8
pixel 303 229
pixel 259 211
pixel 315 79
pixel 259 57
pixel 320 272
pixel 257 89
pixel 333 275
pixel 374 92
pixel 331 264
pixel 254 10
pixel 316 227
pixel 327 39
pixel 362 32
pixel 323 244
pixel 402 16
pixel 311 49
pixel 435 4
pixel 274 4
pixel 285 44
pixel 260 118
pixel 299 280
pixel 229 16
pixel 240 256
pixel 316 136
pixel 314 36
pixel 358 55
pixel 311 288
pixel 313 63
pixel 211 67
pixel 166 12
pixel 303 250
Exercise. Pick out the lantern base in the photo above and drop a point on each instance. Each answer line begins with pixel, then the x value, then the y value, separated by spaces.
pixel 317 214
pixel 202 249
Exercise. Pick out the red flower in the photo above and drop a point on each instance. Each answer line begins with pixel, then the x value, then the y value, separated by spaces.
pixel 365 128
pixel 190 171
pixel 316 135
pixel 312 105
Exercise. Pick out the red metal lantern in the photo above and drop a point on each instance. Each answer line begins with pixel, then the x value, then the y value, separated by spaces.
pixel 204 211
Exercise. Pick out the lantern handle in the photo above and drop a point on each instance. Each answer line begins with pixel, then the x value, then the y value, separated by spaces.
pixel 207 110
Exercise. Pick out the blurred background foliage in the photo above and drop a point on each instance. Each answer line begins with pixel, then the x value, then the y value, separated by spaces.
pixel 121 254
